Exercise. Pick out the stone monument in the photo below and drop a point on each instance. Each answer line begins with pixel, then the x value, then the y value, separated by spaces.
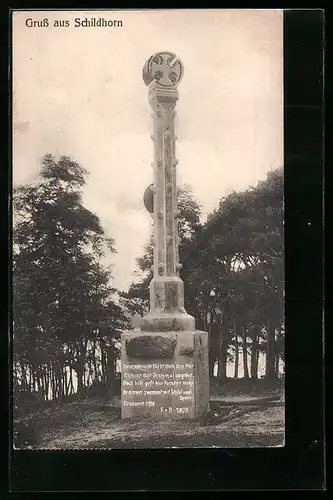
pixel 165 365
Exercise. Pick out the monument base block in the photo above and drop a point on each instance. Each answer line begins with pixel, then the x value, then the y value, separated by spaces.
pixel 164 375
pixel 167 322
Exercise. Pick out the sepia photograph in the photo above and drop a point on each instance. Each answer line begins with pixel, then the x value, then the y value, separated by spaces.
pixel 148 229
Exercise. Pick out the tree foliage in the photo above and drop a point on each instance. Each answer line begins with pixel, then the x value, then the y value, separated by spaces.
pixel 63 299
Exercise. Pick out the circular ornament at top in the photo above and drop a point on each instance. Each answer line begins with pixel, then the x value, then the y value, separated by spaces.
pixel 165 68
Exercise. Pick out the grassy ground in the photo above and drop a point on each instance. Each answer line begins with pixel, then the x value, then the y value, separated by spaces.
pixel 93 424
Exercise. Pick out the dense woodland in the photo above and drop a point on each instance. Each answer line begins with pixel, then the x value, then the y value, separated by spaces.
pixel 68 318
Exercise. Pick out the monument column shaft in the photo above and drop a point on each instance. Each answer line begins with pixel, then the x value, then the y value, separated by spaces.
pixel 170 209
pixel 159 208
pixel 165 202
pixel 175 198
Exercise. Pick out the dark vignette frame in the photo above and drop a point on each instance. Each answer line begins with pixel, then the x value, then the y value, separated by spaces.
pixel 300 464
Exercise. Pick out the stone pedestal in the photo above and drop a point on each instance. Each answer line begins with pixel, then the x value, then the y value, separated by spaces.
pixel 165 375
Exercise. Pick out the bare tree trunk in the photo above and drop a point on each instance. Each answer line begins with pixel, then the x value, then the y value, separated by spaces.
pixel 254 357
pixel 110 367
pixel 57 381
pixel 236 349
pixel 61 381
pixel 32 388
pixel 277 363
pixel 23 375
pixel 40 383
pixel 90 377
pixel 258 354
pixel 71 385
pixel 85 376
pixel 47 381
pixel 270 353
pixel 222 347
pixel 46 385
pixel 54 393
pixel 95 361
pixel 103 362
pixel 246 368
pixel 67 380
pixel 37 380
pixel 212 352
pixel 206 318
pixel 33 372
pixel 222 361
pixel 80 368
pixel 64 381
pixel 80 384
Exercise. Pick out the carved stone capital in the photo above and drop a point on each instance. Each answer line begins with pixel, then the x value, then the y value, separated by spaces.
pixel 162 99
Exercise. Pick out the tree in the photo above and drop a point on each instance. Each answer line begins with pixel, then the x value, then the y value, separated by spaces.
pixel 241 258
pixel 62 295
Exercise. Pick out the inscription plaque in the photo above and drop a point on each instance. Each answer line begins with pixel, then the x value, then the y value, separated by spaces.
pixel 164 388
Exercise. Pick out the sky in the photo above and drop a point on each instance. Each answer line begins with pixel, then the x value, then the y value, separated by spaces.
pixel 79 92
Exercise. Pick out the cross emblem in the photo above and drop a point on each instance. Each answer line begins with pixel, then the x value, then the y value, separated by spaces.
pixel 166 68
